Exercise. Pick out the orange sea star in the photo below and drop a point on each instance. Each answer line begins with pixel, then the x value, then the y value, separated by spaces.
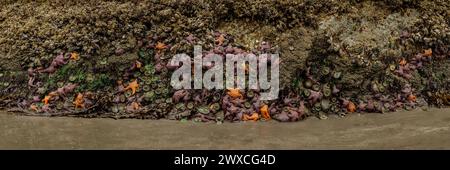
pixel 265 112
pixel 428 53
pixel 220 39
pixel 46 99
pixel 79 101
pixel 402 62
pixel 133 86
pixel 234 93
pixel 160 46
pixel 74 56
pixel 253 117
pixel 351 107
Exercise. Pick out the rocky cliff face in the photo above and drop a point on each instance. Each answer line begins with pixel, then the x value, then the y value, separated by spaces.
pixel 374 56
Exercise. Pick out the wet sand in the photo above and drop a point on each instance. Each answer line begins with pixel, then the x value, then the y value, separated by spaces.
pixel 401 130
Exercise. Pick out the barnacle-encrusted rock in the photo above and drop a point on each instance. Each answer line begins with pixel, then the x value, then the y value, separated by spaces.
pixel 367 52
